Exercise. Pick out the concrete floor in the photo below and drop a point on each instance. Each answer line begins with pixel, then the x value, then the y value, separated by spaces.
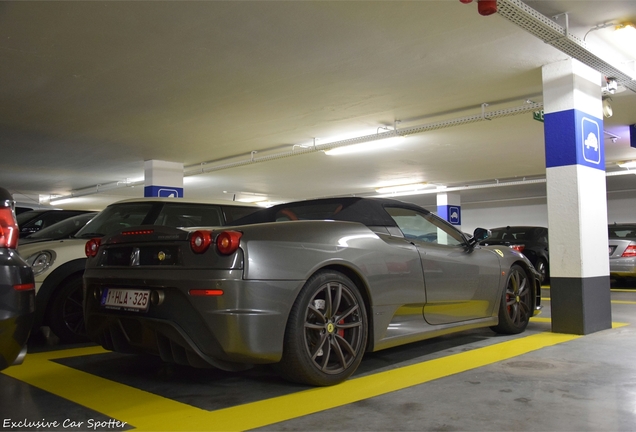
pixel 471 381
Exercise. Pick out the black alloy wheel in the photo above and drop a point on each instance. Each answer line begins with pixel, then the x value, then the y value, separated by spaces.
pixel 66 314
pixel 515 309
pixel 542 268
pixel 326 333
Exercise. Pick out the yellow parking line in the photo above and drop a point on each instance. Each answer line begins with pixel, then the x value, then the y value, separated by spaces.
pixel 547 288
pixel 549 320
pixel 611 301
pixel 147 411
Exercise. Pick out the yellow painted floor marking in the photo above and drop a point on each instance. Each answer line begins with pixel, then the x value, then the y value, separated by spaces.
pixel 147 411
pixel 611 301
pixel 547 288
pixel 549 320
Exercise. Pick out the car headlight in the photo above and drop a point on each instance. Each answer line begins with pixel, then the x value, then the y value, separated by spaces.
pixel 40 261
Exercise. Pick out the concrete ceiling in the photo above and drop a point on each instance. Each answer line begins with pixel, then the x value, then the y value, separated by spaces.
pixel 90 90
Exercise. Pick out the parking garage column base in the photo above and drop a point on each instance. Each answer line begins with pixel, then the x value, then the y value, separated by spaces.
pixel 582 304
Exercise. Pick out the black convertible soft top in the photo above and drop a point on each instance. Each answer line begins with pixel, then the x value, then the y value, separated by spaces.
pixel 367 211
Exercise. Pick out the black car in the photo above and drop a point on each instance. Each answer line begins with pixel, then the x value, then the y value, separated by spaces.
pixel 17 288
pixel 34 220
pixel 61 230
pixel 532 241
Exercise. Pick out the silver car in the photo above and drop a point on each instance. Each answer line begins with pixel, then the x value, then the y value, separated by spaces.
pixel 307 286
pixel 622 250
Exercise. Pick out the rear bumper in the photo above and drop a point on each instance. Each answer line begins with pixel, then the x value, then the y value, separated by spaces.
pixel 623 267
pixel 244 325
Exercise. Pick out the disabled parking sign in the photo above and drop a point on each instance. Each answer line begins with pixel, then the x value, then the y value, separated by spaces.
pixel 591 141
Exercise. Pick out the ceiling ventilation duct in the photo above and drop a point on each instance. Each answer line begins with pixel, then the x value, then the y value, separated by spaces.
pixel 553 34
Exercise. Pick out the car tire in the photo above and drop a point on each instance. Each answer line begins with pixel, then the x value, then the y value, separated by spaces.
pixel 515 308
pixel 326 334
pixel 542 268
pixel 66 313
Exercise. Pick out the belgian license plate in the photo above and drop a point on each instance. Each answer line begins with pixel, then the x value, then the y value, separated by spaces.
pixel 127 299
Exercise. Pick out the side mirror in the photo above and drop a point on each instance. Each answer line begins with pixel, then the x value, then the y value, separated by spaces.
pixel 480 234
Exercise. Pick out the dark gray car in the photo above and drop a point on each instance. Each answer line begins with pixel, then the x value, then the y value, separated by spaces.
pixel 307 286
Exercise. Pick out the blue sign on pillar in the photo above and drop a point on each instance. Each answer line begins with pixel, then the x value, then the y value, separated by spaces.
pixel 163 192
pixel 573 137
pixel 451 214
pixel 591 141
pixel 455 215
pixel 632 135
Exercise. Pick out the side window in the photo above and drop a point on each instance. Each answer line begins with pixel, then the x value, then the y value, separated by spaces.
pixel 425 227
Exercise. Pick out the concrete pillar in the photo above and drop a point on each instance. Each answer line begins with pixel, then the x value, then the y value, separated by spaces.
pixel 449 208
pixel 163 179
pixel 577 199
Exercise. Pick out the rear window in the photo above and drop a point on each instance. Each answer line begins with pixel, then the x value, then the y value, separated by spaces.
pixel 512 234
pixel 190 215
pixel 622 231
pixel 116 217
pixel 174 214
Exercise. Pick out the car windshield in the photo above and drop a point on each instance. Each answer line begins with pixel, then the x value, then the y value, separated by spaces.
pixel 28 215
pixel 62 229
pixel 116 217
pixel 622 232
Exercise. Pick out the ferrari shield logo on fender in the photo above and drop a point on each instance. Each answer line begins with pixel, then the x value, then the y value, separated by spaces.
pixel 500 253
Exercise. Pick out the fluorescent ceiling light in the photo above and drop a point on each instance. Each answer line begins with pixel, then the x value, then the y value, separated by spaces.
pixel 402 188
pixel 381 144
pixel 627 164
pixel 60 201
pixel 267 204
pixel 252 199
pixel 627 30
pixel 625 38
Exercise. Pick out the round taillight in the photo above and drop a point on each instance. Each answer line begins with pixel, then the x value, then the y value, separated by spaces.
pixel 92 246
pixel 200 241
pixel 228 242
